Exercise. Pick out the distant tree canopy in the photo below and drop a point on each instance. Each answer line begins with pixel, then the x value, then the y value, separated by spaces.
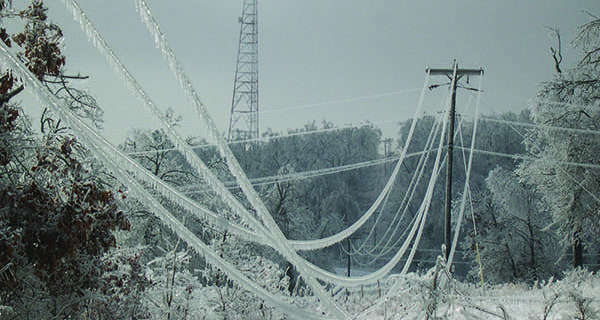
pixel 327 202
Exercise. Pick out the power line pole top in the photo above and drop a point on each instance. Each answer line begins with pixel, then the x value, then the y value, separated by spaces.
pixel 449 72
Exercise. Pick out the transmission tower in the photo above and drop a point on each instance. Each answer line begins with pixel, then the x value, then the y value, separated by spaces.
pixel 243 122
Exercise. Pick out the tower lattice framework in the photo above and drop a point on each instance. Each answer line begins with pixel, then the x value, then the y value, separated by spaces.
pixel 243 122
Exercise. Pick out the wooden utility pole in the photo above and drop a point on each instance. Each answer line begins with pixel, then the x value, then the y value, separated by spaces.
pixel 349 257
pixel 387 146
pixel 387 151
pixel 454 74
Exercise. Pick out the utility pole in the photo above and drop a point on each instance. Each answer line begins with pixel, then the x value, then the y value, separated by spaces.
pixel 454 75
pixel 349 257
pixel 387 151
pixel 387 146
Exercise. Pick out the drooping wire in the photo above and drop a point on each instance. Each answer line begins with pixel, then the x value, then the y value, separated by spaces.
pixel 398 217
pixel 301 175
pixel 468 189
pixel 408 196
pixel 467 176
pixel 342 100
pixel 235 169
pixel 91 139
pixel 387 248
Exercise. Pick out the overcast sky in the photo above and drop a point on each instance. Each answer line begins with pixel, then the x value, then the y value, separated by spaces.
pixel 315 51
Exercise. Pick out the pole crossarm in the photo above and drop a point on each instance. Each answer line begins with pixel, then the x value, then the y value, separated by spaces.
pixel 449 72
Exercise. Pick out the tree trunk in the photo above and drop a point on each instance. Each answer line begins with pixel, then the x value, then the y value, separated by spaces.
pixel 577 252
pixel 533 262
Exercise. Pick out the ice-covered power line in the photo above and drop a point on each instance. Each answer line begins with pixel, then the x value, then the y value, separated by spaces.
pixel 129 80
pixel 340 101
pixel 232 162
pixel 186 234
pixel 526 157
pixel 404 205
pixel 537 100
pixel 265 139
pixel 225 195
pixel 267 222
pixel 540 126
pixel 414 235
pixel 328 241
pixel 234 167
pixel 266 180
pixel 91 140
pixel 365 124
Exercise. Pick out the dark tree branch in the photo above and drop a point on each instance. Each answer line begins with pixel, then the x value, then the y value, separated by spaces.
pixel 9 95
pixel 556 54
pixel 590 55
pixel 63 77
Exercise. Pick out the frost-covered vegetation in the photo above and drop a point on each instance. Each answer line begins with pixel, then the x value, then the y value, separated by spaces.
pixel 79 241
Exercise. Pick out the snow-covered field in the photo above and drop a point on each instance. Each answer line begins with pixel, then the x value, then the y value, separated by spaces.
pixel 577 296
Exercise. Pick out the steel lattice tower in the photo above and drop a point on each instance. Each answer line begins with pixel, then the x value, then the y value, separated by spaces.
pixel 243 122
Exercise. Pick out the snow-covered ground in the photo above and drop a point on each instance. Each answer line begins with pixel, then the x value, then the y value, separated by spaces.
pixel 577 296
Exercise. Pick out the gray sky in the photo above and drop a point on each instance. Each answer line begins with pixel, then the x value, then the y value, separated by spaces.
pixel 314 51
